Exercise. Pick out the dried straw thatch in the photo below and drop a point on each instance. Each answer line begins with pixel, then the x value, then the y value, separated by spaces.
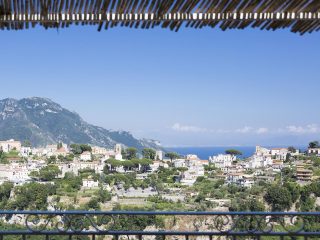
pixel 300 15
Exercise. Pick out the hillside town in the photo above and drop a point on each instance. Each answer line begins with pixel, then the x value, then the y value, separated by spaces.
pixel 92 177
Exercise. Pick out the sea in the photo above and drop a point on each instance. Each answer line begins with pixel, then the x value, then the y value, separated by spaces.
pixel 205 152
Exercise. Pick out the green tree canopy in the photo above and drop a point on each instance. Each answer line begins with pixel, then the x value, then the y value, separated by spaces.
pixel 131 153
pixel 26 143
pixel 149 153
pixel 32 196
pixel 233 152
pixel 59 145
pixel 80 148
pixel 278 197
pixel 172 155
pixel 47 173
pixel 292 149
pixel 314 144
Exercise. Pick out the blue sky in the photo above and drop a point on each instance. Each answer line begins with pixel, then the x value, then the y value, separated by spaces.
pixel 191 88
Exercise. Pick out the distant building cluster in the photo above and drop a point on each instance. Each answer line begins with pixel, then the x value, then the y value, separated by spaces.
pixel 264 164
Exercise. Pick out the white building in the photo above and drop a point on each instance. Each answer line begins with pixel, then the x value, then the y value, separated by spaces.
pixel 157 164
pixel 192 157
pixel 179 162
pixel 259 162
pixel 277 165
pixel 76 166
pixel 279 153
pixel 25 151
pixel 234 178
pixel 314 151
pixel 117 149
pixel 16 173
pixel 85 156
pixel 52 148
pixel 90 183
pixel 118 156
pixel 99 150
pixel 9 145
pixel 247 181
pixel 222 160
pixel 195 170
pixel 159 155
pixel 261 151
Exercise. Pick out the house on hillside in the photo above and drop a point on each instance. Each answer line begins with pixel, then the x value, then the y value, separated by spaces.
pixel 10 145
pixel 85 156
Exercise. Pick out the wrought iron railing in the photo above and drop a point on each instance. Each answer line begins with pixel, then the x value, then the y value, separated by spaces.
pixel 170 225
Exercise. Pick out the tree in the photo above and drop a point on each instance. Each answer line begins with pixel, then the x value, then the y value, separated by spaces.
pixel 111 165
pixel 80 148
pixel 32 196
pixel 294 190
pixel 93 204
pixel 74 182
pixel 59 145
pixel 48 173
pixel 233 152
pixel 76 149
pixel 292 149
pixel 103 196
pixel 3 158
pixel 131 153
pixel 314 144
pixel 85 148
pixel 149 153
pixel 52 159
pixel 5 191
pixel 278 197
pixel 26 143
pixel 172 155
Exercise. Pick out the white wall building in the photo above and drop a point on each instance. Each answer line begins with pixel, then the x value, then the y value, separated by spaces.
pixel 195 170
pixel 279 153
pixel 222 160
pixel 9 145
pixel 25 151
pixel 99 150
pixel 159 155
pixel 85 156
pixel 90 183
pixel 314 151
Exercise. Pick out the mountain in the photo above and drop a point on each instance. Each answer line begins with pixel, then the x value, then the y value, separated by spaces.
pixel 42 121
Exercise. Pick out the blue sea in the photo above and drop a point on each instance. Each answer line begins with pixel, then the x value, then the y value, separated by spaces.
pixel 205 152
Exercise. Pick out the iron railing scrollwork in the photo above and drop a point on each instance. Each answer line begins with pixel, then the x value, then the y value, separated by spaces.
pixel 131 224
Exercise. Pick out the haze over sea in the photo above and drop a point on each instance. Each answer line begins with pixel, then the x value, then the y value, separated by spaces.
pixel 205 152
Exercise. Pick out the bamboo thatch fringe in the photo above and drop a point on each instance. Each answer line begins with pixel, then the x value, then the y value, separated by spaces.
pixel 301 16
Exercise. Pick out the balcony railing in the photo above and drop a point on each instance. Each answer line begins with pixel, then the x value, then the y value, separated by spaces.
pixel 170 225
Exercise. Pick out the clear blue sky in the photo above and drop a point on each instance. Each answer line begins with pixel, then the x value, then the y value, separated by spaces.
pixel 194 87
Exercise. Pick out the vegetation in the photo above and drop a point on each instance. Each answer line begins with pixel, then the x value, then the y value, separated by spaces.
pixel 138 165
pixel 26 143
pixel 172 155
pixel 149 153
pixel 292 149
pixel 130 153
pixel 47 173
pixel 314 144
pixel 279 198
pixel 31 196
pixel 3 158
pixel 233 152
pixel 80 148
